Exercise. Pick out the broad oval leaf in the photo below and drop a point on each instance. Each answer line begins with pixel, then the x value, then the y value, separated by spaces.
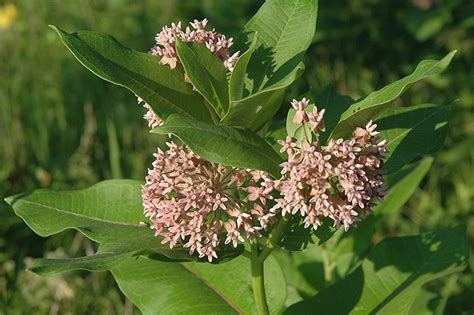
pixel 191 288
pixel 108 213
pixel 412 131
pixel 390 277
pixel 207 74
pixel 285 31
pixel 161 87
pixel 222 144
pixel 359 113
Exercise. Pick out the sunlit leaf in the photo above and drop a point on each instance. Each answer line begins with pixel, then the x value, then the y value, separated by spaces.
pixel 222 144
pixel 193 288
pixel 161 87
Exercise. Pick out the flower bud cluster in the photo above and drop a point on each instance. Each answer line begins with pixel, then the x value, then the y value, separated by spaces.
pixel 338 181
pixel 202 204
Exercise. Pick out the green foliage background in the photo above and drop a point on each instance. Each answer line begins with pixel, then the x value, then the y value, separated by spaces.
pixel 61 127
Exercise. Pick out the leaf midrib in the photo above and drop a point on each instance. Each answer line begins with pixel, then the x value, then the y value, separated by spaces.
pixel 78 214
pixel 213 288
pixel 95 70
pixel 253 147
pixel 296 3
pixel 422 76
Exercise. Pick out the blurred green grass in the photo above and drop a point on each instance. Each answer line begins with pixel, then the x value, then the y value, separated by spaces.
pixel 61 127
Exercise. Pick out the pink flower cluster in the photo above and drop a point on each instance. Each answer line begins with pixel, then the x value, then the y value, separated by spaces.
pixel 217 43
pixel 203 204
pixel 338 181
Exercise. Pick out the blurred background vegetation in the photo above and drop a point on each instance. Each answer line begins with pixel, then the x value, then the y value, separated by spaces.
pixel 61 127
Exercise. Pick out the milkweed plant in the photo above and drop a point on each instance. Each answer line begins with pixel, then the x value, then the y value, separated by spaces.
pixel 241 212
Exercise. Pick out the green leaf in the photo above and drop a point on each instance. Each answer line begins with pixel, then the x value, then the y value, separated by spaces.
pixel 388 280
pixel 285 31
pixel 334 104
pixel 239 74
pixel 297 130
pixel 354 244
pixel 222 144
pixel 191 288
pixel 161 87
pixel 344 251
pixel 207 74
pixel 412 132
pixel 403 184
pixel 108 213
pixel 255 110
pixel 359 113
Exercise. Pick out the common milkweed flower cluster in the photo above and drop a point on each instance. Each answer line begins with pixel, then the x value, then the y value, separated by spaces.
pixel 203 204
pixel 217 43
pixel 165 47
pixel 195 201
pixel 339 180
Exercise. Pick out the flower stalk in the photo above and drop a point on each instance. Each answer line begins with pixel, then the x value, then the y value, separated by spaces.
pixel 258 284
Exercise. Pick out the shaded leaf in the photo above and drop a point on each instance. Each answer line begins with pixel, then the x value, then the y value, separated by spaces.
pixel 412 132
pixel 222 144
pixel 161 87
pixel 359 113
pixel 191 288
pixel 390 277
pixel 354 244
pixel 207 74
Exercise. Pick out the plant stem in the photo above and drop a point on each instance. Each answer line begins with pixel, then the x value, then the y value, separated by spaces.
pixel 257 282
pixel 274 238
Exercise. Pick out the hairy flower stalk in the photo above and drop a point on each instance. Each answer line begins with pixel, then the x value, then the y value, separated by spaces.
pixel 204 204
pixel 165 48
pixel 338 181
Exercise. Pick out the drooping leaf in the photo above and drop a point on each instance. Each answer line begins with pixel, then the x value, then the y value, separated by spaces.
pixel 359 113
pixel 390 277
pixel 285 31
pixel 108 213
pixel 222 144
pixel 161 87
pixel 207 74
pixel 412 131
pixel 190 288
